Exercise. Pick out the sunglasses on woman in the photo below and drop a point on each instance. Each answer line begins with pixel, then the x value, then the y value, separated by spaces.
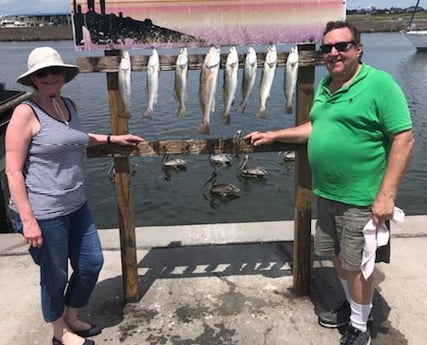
pixel 43 73
pixel 339 46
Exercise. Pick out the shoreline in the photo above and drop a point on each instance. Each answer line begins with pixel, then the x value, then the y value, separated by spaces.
pixel 366 24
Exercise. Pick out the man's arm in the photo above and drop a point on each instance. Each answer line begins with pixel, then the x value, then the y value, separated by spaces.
pixel 297 135
pixel 398 160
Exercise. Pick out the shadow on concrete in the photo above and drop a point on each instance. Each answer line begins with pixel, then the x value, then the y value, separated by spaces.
pixel 269 259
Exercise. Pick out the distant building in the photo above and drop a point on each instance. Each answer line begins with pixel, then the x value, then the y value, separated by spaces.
pixel 35 20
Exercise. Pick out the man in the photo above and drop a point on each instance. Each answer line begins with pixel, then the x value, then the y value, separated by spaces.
pixel 359 143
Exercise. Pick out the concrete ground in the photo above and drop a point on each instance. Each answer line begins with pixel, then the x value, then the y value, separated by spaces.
pixel 220 284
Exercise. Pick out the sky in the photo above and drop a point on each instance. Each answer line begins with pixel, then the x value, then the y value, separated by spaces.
pixel 63 6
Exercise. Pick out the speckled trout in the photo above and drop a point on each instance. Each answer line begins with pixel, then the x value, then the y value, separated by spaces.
pixel 231 71
pixel 291 76
pixel 267 79
pixel 181 70
pixel 152 87
pixel 249 76
pixel 125 77
pixel 207 87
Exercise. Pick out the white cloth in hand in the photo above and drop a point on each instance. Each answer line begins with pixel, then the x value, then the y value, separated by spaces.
pixel 376 237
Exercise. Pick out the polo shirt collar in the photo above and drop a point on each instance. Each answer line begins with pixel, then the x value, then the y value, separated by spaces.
pixel 363 72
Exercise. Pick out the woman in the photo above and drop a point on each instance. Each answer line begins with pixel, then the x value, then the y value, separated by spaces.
pixel 45 151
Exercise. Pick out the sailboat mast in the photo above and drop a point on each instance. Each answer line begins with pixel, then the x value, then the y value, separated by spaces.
pixel 412 15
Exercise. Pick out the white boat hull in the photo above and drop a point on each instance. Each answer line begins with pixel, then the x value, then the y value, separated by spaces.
pixel 418 39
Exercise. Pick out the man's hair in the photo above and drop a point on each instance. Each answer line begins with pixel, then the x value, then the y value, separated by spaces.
pixel 339 24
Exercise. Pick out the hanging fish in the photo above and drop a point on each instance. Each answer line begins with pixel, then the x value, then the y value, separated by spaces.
pixel 181 71
pixel 153 69
pixel 231 70
pixel 125 82
pixel 267 79
pixel 291 76
pixel 249 76
pixel 207 87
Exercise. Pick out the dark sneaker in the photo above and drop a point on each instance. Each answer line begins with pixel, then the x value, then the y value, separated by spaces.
pixel 337 317
pixel 354 336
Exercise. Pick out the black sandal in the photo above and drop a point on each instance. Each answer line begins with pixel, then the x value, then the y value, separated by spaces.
pixel 86 342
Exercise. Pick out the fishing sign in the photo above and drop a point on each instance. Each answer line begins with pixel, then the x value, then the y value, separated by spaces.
pixel 119 24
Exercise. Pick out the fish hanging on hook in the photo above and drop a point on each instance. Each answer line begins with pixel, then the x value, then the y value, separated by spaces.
pixel 291 77
pixel 181 71
pixel 152 87
pixel 231 71
pixel 248 80
pixel 207 87
pixel 125 80
pixel 267 79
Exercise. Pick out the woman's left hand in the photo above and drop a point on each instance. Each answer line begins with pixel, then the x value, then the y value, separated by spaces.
pixel 126 139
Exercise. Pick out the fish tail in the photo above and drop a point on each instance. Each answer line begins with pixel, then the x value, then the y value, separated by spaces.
pixel 260 113
pixel 148 113
pixel 181 111
pixel 203 128
pixel 126 114
pixel 225 119
pixel 241 108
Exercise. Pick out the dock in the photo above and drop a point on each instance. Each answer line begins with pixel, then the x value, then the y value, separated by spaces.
pixel 220 284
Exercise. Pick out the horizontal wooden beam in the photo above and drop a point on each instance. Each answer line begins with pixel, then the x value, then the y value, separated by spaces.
pixel 187 147
pixel 20 97
pixel 168 62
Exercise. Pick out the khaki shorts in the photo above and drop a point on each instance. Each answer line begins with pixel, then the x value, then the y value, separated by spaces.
pixel 339 231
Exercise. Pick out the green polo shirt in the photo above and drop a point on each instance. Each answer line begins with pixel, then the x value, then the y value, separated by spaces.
pixel 350 138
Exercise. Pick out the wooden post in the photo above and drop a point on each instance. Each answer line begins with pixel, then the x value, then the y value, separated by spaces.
pixel 119 125
pixel 303 194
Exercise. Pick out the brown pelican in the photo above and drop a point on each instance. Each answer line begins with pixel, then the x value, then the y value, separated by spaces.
pixel 223 159
pixel 176 163
pixel 221 189
pixel 288 155
pixel 253 171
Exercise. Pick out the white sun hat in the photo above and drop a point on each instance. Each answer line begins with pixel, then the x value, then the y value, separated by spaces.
pixel 44 57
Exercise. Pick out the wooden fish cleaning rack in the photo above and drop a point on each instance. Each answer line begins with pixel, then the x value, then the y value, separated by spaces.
pixel 109 64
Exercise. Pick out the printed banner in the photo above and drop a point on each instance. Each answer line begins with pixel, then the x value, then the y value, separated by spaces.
pixel 119 24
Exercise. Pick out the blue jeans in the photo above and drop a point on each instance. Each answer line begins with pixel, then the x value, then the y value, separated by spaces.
pixel 67 240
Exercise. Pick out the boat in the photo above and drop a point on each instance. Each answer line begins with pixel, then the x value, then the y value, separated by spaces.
pixel 10 23
pixel 418 38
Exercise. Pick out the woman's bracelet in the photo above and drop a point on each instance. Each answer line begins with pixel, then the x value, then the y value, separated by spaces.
pixel 109 139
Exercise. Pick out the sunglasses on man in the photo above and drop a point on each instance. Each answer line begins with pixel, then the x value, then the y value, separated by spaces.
pixel 43 73
pixel 339 46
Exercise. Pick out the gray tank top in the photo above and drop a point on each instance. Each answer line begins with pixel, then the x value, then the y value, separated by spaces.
pixel 53 169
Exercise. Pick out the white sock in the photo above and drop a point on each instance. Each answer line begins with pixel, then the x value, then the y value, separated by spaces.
pixel 346 289
pixel 359 315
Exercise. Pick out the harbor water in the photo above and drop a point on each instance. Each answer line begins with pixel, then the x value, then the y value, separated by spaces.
pixel 179 197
